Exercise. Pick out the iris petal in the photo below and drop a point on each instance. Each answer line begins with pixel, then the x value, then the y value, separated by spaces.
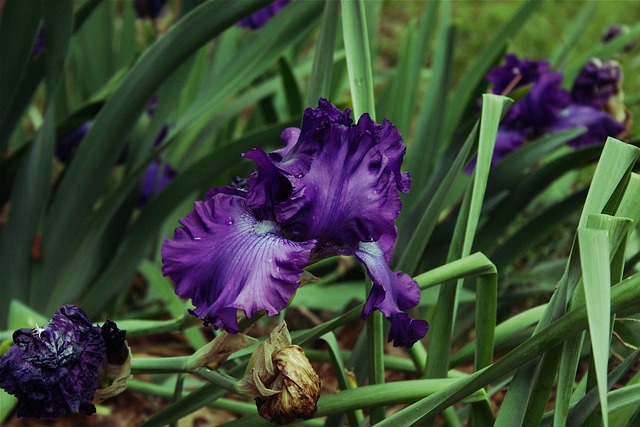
pixel 224 259
pixel 392 293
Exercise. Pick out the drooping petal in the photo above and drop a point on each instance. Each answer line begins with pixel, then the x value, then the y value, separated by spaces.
pixel 53 370
pixel 599 125
pixel 392 293
pixel 225 259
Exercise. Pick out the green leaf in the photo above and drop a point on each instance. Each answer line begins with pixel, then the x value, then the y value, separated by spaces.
pixel 624 295
pixel 358 54
pixel 466 224
pixel 320 80
pixel 95 157
pixel 18 26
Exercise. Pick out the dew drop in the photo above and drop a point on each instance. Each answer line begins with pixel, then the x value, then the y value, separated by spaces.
pixel 229 221
pixel 197 238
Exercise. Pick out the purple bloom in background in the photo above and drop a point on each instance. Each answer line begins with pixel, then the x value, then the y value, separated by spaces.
pixel 38 45
pixel 66 147
pixel 541 105
pixel 149 8
pixel 333 189
pixel 597 82
pixel 599 125
pixel 156 178
pixel 259 18
pixel 53 370
pixel 515 73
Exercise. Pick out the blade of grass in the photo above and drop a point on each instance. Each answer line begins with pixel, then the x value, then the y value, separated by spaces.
pixel 421 154
pixel 625 294
pixel 440 342
pixel 354 416
pixel 358 54
pixel 76 195
pixel 563 50
pixel 320 80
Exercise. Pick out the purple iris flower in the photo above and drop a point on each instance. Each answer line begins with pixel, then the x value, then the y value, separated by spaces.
pixel 259 18
pixel 597 82
pixel 515 73
pixel 67 146
pixel 53 370
pixel 149 8
pixel 333 189
pixel 541 105
pixel 157 177
pixel 599 125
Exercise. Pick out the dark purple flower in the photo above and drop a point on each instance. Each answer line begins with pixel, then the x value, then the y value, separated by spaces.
pixel 599 125
pixel 597 82
pixel 157 177
pixel 541 105
pixel 149 8
pixel 332 189
pixel 515 73
pixel 53 370
pixel 67 145
pixel 259 18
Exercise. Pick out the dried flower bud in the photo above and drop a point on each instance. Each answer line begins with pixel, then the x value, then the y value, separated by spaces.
pixel 116 367
pixel 217 351
pixel 299 387
pixel 114 379
pixel 281 379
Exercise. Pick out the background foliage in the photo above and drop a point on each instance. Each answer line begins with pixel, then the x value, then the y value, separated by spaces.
pixel 494 248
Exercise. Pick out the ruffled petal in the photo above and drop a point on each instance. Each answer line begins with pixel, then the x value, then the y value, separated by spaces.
pixel 349 193
pixel 53 370
pixel 392 293
pixel 225 259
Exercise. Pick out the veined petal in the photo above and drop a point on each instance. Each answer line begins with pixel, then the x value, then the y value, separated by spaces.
pixel 349 191
pixel 392 293
pixel 225 259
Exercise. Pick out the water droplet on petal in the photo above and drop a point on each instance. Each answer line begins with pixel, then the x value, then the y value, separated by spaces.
pixel 229 221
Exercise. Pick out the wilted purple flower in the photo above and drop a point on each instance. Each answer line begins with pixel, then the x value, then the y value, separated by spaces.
pixel 259 18
pixel 331 190
pixel 53 370
pixel 66 147
pixel 149 8
pixel 515 73
pixel 157 177
pixel 114 341
pixel 597 82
